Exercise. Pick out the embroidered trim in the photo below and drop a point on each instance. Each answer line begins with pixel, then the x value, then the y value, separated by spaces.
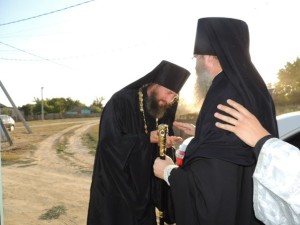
pixel 141 101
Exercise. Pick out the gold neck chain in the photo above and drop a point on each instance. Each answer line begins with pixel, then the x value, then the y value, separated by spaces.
pixel 141 99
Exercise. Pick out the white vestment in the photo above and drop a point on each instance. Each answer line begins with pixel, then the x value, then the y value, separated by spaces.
pixel 277 184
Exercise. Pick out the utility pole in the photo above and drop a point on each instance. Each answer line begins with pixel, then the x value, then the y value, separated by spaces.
pixel 15 108
pixel 42 103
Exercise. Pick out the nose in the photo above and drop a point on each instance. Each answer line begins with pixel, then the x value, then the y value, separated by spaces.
pixel 163 103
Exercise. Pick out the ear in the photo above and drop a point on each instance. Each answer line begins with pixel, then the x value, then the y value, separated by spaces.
pixel 213 64
pixel 217 68
pixel 209 61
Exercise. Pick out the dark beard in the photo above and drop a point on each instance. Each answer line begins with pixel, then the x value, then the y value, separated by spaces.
pixel 153 108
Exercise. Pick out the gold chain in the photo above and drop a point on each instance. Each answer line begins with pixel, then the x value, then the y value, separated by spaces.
pixel 141 99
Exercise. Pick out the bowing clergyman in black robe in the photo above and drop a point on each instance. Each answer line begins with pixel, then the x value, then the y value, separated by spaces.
pixel 124 189
pixel 214 185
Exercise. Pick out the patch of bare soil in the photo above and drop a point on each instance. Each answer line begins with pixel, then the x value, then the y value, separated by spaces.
pixel 50 186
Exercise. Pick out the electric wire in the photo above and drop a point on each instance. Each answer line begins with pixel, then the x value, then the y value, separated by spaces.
pixel 37 56
pixel 45 14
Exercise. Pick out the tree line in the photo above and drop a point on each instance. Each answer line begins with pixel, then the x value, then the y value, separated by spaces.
pixel 59 105
pixel 285 93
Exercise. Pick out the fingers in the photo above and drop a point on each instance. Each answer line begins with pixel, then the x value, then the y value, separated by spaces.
pixel 238 111
pixel 176 138
pixel 226 119
pixel 154 138
pixel 238 107
pixel 180 125
pixel 169 142
pixel 172 140
pixel 229 110
pixel 225 126
pixel 159 166
pixel 187 128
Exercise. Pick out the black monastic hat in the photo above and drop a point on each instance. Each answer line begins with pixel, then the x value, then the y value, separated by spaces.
pixel 215 34
pixel 166 74
pixel 228 39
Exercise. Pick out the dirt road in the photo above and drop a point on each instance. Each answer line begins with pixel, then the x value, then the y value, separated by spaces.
pixel 50 187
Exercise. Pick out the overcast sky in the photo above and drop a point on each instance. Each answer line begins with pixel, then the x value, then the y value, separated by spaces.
pixel 90 49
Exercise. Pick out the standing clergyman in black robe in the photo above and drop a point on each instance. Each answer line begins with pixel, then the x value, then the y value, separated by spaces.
pixel 214 186
pixel 124 189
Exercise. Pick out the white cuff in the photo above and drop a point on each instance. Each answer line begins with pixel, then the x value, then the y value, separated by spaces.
pixel 167 172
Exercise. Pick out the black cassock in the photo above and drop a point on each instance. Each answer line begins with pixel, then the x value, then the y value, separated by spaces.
pixel 124 189
pixel 214 186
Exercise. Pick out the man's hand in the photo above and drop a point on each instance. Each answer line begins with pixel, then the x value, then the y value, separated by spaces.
pixel 154 137
pixel 160 165
pixel 187 128
pixel 171 140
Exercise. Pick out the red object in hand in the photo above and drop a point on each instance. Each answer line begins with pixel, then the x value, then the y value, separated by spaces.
pixel 180 152
pixel 179 157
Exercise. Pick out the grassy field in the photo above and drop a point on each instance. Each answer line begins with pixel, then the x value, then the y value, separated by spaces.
pixel 25 142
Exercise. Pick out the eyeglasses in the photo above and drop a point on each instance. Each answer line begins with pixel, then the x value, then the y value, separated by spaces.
pixel 195 57
pixel 175 99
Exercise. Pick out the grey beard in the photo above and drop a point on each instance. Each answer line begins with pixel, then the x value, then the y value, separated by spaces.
pixel 203 82
pixel 153 108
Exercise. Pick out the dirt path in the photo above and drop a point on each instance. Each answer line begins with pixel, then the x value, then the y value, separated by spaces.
pixel 48 182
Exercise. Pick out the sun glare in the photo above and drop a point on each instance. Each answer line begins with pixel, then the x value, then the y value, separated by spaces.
pixel 187 91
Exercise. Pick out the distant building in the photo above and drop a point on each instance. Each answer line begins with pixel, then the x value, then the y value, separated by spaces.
pixel 188 118
pixel 79 110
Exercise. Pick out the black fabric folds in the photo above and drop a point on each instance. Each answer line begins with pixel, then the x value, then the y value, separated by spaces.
pixel 124 189
pixel 214 185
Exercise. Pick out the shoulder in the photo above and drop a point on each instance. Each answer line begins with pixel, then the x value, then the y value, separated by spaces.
pixel 220 90
pixel 124 96
pixel 222 83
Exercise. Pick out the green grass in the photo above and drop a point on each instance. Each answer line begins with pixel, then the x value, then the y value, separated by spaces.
pixel 90 139
pixel 53 213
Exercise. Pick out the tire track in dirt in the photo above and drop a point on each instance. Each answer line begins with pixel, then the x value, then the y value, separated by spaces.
pixel 48 181
pixel 78 154
pixel 75 154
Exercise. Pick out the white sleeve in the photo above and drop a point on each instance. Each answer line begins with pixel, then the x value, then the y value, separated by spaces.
pixel 167 172
pixel 277 183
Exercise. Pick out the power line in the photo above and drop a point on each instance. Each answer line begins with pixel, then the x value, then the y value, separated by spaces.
pixel 24 51
pixel 24 60
pixel 37 56
pixel 44 14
